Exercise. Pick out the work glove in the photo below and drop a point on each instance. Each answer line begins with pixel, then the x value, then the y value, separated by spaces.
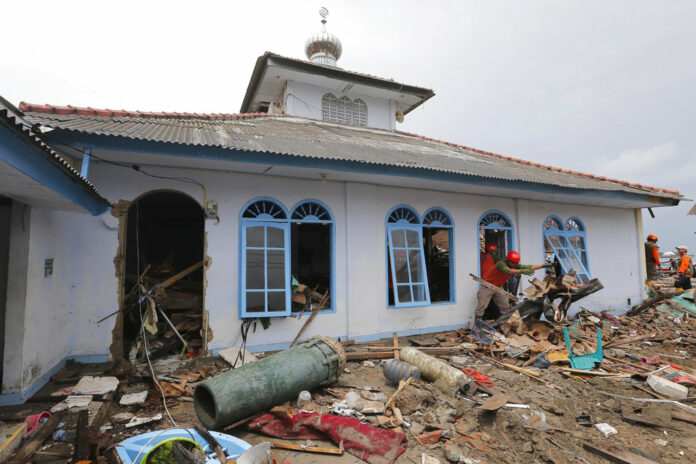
pixel 526 271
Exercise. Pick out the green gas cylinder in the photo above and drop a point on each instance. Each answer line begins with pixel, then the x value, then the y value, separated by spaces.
pixel 257 387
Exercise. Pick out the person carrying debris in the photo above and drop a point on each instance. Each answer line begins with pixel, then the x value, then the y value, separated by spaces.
pixel 652 257
pixel 490 258
pixel 498 275
pixel 686 269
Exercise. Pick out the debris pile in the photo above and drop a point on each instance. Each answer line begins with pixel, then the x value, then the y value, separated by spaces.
pixel 597 387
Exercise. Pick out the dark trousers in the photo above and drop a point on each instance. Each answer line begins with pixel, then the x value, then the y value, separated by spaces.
pixel 683 282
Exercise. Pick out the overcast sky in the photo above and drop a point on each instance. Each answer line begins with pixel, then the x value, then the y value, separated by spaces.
pixel 600 86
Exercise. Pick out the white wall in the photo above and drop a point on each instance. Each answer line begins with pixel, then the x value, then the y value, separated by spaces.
pixel 61 310
pixel 305 101
pixel 54 316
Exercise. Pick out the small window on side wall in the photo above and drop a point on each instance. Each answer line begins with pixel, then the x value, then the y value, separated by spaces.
pixel 439 257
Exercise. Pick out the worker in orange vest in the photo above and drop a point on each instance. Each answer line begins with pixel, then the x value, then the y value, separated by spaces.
pixel 490 258
pixel 652 257
pixel 498 275
pixel 686 269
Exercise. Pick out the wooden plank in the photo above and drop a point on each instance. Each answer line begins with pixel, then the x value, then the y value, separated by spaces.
pixel 616 454
pixel 684 417
pixel 12 436
pixel 214 445
pixel 27 451
pixel 316 310
pixel 396 345
pixel 177 277
pixel 308 449
pixel 495 288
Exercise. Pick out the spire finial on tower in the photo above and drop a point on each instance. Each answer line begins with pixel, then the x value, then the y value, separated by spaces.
pixel 324 47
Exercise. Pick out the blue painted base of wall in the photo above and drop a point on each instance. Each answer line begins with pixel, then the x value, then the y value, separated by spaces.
pixel 16 397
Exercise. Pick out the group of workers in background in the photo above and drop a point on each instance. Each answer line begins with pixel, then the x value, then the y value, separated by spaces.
pixel 497 270
pixel 684 264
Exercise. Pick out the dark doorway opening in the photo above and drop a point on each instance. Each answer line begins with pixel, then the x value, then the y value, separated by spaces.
pixel 5 216
pixel 310 250
pixel 165 236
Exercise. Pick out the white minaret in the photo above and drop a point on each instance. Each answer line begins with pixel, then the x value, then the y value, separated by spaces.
pixel 323 48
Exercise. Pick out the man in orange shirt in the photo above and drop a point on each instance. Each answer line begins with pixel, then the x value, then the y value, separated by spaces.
pixel 686 269
pixel 652 256
pixel 498 275
pixel 489 259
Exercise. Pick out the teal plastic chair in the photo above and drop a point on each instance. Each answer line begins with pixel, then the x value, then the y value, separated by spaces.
pixel 588 361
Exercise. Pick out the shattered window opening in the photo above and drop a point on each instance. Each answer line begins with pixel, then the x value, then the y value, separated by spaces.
pixel 408 277
pixel 312 251
pixel 496 228
pixel 567 246
pixel 437 243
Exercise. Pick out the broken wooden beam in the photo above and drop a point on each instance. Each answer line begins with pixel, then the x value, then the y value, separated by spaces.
pixel 495 288
pixel 616 454
pixel 308 449
pixel 24 454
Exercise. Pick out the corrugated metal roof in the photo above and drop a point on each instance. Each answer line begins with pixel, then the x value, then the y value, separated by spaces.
pixel 321 140
pixel 11 117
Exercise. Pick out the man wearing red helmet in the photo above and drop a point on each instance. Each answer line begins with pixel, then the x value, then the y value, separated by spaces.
pixel 498 275
pixel 489 259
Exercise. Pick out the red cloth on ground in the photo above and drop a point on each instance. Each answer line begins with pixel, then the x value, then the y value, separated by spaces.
pixel 372 444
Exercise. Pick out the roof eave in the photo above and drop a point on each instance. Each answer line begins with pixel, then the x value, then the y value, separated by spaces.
pixel 267 58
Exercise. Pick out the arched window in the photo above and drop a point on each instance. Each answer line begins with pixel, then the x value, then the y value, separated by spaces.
pixel 438 244
pixel 496 228
pixel 359 113
pixel 408 277
pixel 343 110
pixel 265 270
pixel 566 244
pixel 576 236
pixel 312 248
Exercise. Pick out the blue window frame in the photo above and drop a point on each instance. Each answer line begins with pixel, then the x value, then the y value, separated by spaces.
pixel 567 244
pixel 312 230
pixel 265 260
pixel 409 280
pixel 438 246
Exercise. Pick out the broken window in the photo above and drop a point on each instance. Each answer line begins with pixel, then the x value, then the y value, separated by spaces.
pixel 311 245
pixel 437 245
pixel 408 276
pixel 496 228
pixel 265 270
pixel 567 245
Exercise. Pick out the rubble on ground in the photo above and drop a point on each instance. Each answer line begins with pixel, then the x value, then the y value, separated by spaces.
pixel 517 399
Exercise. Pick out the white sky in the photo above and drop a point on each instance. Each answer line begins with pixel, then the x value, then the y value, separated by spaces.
pixel 600 86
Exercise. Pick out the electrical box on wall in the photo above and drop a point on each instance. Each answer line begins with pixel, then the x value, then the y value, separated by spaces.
pixel 48 267
pixel 211 210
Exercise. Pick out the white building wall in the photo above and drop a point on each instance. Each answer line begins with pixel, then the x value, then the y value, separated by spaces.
pixel 305 101
pixel 62 310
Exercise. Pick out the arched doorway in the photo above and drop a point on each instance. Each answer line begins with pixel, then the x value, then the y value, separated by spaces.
pixel 165 249
pixel 496 228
